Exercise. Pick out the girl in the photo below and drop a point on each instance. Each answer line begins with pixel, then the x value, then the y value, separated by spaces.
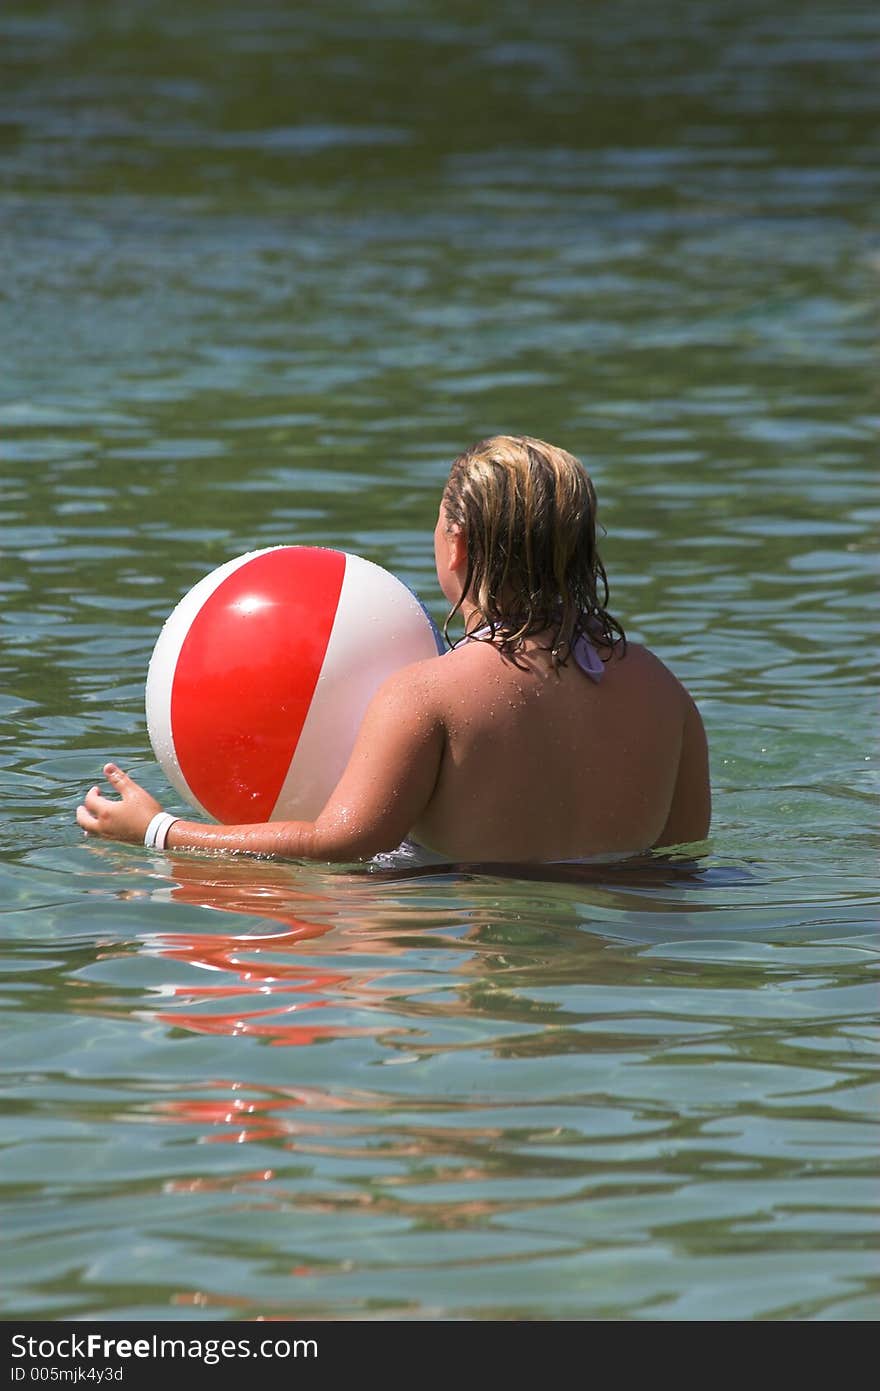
pixel 543 735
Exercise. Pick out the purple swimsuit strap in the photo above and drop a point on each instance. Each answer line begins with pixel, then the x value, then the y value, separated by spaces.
pixel 583 651
pixel 588 658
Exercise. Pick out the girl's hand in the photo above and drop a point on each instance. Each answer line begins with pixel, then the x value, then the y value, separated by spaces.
pixel 125 820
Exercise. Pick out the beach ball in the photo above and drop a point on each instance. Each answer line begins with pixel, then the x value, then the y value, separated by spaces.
pixel 261 676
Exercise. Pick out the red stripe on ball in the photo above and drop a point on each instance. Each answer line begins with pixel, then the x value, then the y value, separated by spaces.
pixel 246 675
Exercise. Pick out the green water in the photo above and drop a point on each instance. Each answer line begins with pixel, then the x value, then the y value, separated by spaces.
pixel 266 271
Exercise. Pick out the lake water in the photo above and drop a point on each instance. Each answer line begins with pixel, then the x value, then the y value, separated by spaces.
pixel 267 270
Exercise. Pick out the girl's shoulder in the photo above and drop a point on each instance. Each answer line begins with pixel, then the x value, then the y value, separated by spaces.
pixel 439 677
pixel 642 665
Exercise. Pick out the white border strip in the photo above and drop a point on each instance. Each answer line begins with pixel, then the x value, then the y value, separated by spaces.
pixel 379 626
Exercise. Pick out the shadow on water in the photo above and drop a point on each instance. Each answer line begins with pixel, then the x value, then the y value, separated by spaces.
pixel 302 940
pixel 650 871
pixel 472 942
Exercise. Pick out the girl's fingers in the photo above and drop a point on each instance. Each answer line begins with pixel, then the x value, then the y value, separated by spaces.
pixel 123 817
pixel 86 820
pixel 121 781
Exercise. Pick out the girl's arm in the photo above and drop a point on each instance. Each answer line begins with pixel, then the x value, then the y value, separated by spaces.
pixel 386 785
pixel 691 811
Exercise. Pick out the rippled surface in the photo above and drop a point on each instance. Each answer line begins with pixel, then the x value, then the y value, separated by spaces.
pixel 267 273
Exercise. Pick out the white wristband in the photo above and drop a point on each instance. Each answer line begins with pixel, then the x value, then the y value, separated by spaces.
pixel 150 832
pixel 157 831
pixel 162 833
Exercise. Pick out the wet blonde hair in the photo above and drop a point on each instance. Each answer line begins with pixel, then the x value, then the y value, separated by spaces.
pixel 528 513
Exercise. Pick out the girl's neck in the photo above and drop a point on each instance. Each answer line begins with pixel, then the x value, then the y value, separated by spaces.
pixel 471 616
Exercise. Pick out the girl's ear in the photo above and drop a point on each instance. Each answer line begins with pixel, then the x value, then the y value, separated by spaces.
pixel 457 544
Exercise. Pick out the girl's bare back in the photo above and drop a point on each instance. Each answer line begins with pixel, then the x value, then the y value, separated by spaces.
pixel 544 765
